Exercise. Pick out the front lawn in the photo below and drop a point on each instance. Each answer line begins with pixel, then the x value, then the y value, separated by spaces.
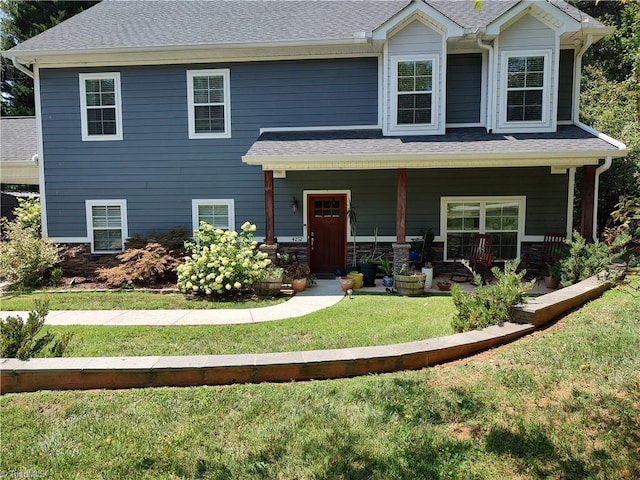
pixel 360 321
pixel 563 403
pixel 126 300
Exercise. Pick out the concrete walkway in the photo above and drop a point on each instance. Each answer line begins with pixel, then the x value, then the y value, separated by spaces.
pixel 323 295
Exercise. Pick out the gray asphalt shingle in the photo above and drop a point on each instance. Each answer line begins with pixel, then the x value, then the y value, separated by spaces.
pixel 18 140
pixel 165 24
pixel 463 140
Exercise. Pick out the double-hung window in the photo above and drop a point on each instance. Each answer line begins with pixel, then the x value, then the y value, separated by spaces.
pixel 100 106
pixel 209 103
pixel 217 213
pixel 107 225
pixel 414 91
pixel 527 83
pixel 502 217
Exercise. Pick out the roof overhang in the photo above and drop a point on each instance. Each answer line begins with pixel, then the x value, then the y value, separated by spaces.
pixel 369 150
pixel 420 11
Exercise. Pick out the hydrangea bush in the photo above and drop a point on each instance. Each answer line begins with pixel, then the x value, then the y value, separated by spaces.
pixel 221 261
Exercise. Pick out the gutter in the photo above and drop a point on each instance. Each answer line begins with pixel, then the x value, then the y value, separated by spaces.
pixel 22 68
pixel 578 76
pixel 601 169
pixel 490 88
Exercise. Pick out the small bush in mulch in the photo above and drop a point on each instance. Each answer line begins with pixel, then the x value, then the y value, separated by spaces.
pixel 141 267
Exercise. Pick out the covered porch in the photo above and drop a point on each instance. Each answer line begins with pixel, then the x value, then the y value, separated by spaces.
pixel 469 155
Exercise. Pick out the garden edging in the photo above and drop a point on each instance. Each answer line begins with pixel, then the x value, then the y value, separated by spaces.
pixel 138 372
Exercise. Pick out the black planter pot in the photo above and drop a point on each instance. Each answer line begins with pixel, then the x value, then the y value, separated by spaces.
pixel 369 271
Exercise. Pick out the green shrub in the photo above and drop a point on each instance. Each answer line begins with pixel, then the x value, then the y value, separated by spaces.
pixel 28 213
pixel 491 304
pixel 20 339
pixel 25 257
pixel 583 260
pixel 141 267
pixel 221 261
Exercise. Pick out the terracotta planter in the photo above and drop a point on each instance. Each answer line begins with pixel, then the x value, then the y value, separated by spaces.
pixel 299 284
pixel 445 287
pixel 410 285
pixel 268 288
pixel 347 283
pixel 551 282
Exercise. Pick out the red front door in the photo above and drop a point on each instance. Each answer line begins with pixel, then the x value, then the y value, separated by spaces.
pixel 327 232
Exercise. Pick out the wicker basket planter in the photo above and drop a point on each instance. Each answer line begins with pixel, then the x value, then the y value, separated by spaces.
pixel 410 285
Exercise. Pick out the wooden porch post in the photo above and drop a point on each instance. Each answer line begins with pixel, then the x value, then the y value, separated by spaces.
pixel 270 237
pixel 401 206
pixel 588 191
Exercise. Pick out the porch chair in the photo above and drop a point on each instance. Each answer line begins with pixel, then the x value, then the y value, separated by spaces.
pixel 480 257
pixel 550 252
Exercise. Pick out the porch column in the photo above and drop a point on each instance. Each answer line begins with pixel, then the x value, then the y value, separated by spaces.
pixel 588 199
pixel 270 238
pixel 401 207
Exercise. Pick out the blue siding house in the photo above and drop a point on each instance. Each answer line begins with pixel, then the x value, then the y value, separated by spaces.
pixel 416 114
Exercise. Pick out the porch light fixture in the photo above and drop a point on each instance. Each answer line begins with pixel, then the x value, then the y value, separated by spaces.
pixel 294 205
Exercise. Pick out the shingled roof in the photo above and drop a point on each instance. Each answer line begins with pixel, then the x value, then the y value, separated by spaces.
pixel 177 24
pixel 18 141
pixel 348 148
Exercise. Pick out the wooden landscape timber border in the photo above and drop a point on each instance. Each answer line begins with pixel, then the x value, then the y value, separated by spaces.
pixel 180 371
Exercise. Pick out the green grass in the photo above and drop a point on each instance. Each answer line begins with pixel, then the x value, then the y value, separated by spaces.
pixel 360 321
pixel 124 300
pixel 563 403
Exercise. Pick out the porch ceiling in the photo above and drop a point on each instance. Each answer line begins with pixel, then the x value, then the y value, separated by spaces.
pixel 367 149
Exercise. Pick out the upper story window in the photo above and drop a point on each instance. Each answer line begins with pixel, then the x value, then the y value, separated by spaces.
pixel 414 93
pixel 526 91
pixel 209 101
pixel 100 106
pixel 218 213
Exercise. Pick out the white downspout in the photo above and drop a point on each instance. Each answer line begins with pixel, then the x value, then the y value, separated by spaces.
pixel 577 77
pixel 22 68
pixel 490 106
pixel 601 169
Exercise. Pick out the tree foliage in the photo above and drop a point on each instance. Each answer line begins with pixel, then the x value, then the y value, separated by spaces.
pixel 610 99
pixel 20 21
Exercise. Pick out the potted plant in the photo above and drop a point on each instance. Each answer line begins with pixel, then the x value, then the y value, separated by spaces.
pixel 552 275
pixel 386 267
pixel 296 274
pixel 409 283
pixel 369 264
pixel 346 283
pixel 270 283
pixel 444 285
pixel 428 271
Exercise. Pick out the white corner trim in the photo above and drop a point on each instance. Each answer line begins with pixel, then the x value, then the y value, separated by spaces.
pixel 40 146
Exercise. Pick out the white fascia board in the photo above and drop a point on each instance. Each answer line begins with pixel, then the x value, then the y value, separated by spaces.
pixel 418 9
pixel 622 148
pixel 568 23
pixel 439 160
pixel 155 54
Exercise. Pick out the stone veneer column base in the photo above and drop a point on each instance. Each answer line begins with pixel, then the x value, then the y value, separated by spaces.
pixel 270 250
pixel 400 255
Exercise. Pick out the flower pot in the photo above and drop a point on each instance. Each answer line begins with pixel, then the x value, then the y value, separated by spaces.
pixel 299 284
pixel 347 283
pixel 369 271
pixel 551 282
pixel 268 288
pixel 429 278
pixel 410 285
pixel 445 287
pixel 387 281
pixel 358 279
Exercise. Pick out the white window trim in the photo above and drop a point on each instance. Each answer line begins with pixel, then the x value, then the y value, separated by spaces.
pixel 123 221
pixel 115 76
pixel 224 72
pixel 197 202
pixel 545 122
pixel 522 205
pixel 416 129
